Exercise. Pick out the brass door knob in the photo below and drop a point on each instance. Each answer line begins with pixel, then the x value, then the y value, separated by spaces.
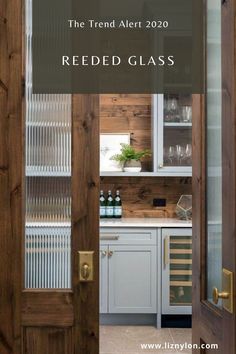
pixel 85 271
pixel 216 295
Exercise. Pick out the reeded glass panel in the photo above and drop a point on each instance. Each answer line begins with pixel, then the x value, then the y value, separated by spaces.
pixel 214 145
pixel 48 182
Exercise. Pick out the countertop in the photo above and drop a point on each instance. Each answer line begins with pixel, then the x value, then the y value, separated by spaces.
pixel 145 222
pixel 124 222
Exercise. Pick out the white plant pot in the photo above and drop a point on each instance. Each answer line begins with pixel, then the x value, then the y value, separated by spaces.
pixel 132 166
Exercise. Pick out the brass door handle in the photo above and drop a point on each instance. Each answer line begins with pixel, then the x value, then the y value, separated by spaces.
pixel 216 295
pixel 85 271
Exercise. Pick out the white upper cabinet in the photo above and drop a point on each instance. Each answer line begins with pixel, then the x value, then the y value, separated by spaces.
pixel 172 135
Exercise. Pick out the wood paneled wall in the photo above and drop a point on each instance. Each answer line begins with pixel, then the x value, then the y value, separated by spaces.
pixel 132 113
pixel 137 194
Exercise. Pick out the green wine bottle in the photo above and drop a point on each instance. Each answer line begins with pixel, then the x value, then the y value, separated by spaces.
pixel 102 205
pixel 109 206
pixel 117 206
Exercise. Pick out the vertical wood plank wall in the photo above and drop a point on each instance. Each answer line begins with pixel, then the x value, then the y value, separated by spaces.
pixel 11 162
pixel 132 113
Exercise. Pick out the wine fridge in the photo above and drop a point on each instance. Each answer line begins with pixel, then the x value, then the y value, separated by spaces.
pixel 177 271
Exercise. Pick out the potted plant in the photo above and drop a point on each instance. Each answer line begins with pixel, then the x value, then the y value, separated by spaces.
pixel 130 158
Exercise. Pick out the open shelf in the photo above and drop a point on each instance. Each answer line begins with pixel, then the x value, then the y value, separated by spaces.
pixel 147 174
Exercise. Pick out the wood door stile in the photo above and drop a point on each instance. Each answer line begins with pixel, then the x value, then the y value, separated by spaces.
pixel 11 163
pixel 85 217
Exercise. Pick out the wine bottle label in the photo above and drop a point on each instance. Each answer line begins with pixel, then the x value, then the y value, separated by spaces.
pixel 109 210
pixel 117 211
pixel 102 211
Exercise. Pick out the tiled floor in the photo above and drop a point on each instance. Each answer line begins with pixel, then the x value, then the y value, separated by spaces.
pixel 128 339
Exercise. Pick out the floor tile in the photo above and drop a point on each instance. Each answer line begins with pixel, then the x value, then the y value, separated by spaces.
pixel 128 339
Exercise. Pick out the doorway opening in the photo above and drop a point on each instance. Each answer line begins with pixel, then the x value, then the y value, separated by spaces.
pixel 146 245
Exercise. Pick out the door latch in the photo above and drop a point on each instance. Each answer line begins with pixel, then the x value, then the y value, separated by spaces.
pixel 86 266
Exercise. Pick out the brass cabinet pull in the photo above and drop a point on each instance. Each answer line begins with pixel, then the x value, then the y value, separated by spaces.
pixel 166 250
pixel 160 166
pixel 109 237
pixel 110 253
pixel 103 253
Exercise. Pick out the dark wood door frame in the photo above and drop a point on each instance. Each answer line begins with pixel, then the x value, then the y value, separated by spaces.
pixel 209 324
pixel 27 321
pixel 11 184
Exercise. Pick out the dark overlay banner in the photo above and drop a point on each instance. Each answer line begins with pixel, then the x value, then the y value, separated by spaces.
pixel 111 46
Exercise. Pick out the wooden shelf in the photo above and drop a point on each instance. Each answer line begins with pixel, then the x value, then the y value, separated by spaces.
pixel 181 272
pixel 180 283
pixel 180 251
pixel 181 261
pixel 181 241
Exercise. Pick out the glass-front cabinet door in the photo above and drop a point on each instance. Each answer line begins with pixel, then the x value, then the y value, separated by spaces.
pixel 173 127
pixel 177 271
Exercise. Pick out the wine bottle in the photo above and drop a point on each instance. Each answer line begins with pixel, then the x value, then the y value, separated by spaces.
pixel 109 206
pixel 102 205
pixel 117 206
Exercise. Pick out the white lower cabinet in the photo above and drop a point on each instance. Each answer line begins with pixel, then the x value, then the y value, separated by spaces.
pixel 132 279
pixel 146 271
pixel 128 271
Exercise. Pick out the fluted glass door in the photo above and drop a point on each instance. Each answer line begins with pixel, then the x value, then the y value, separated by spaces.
pixel 48 183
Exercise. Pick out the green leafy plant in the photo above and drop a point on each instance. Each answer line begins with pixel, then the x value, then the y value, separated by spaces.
pixel 129 153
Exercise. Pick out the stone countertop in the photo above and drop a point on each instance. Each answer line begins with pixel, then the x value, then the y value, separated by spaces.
pixel 145 222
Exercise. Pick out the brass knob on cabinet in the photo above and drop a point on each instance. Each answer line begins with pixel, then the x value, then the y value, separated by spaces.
pixel 110 253
pixel 104 253
pixel 216 295
pixel 160 166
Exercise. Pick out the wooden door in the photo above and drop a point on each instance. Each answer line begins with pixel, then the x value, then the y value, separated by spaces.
pixel 39 317
pixel 214 185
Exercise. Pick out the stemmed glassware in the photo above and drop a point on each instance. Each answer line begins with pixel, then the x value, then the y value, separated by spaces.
pixel 178 155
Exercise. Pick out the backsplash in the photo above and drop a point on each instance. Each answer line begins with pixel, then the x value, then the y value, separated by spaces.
pixel 137 194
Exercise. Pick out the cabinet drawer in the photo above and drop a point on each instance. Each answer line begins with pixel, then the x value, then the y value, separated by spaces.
pixel 125 236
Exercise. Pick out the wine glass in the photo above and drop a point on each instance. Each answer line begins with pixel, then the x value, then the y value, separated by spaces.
pixel 171 154
pixel 188 153
pixel 179 153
